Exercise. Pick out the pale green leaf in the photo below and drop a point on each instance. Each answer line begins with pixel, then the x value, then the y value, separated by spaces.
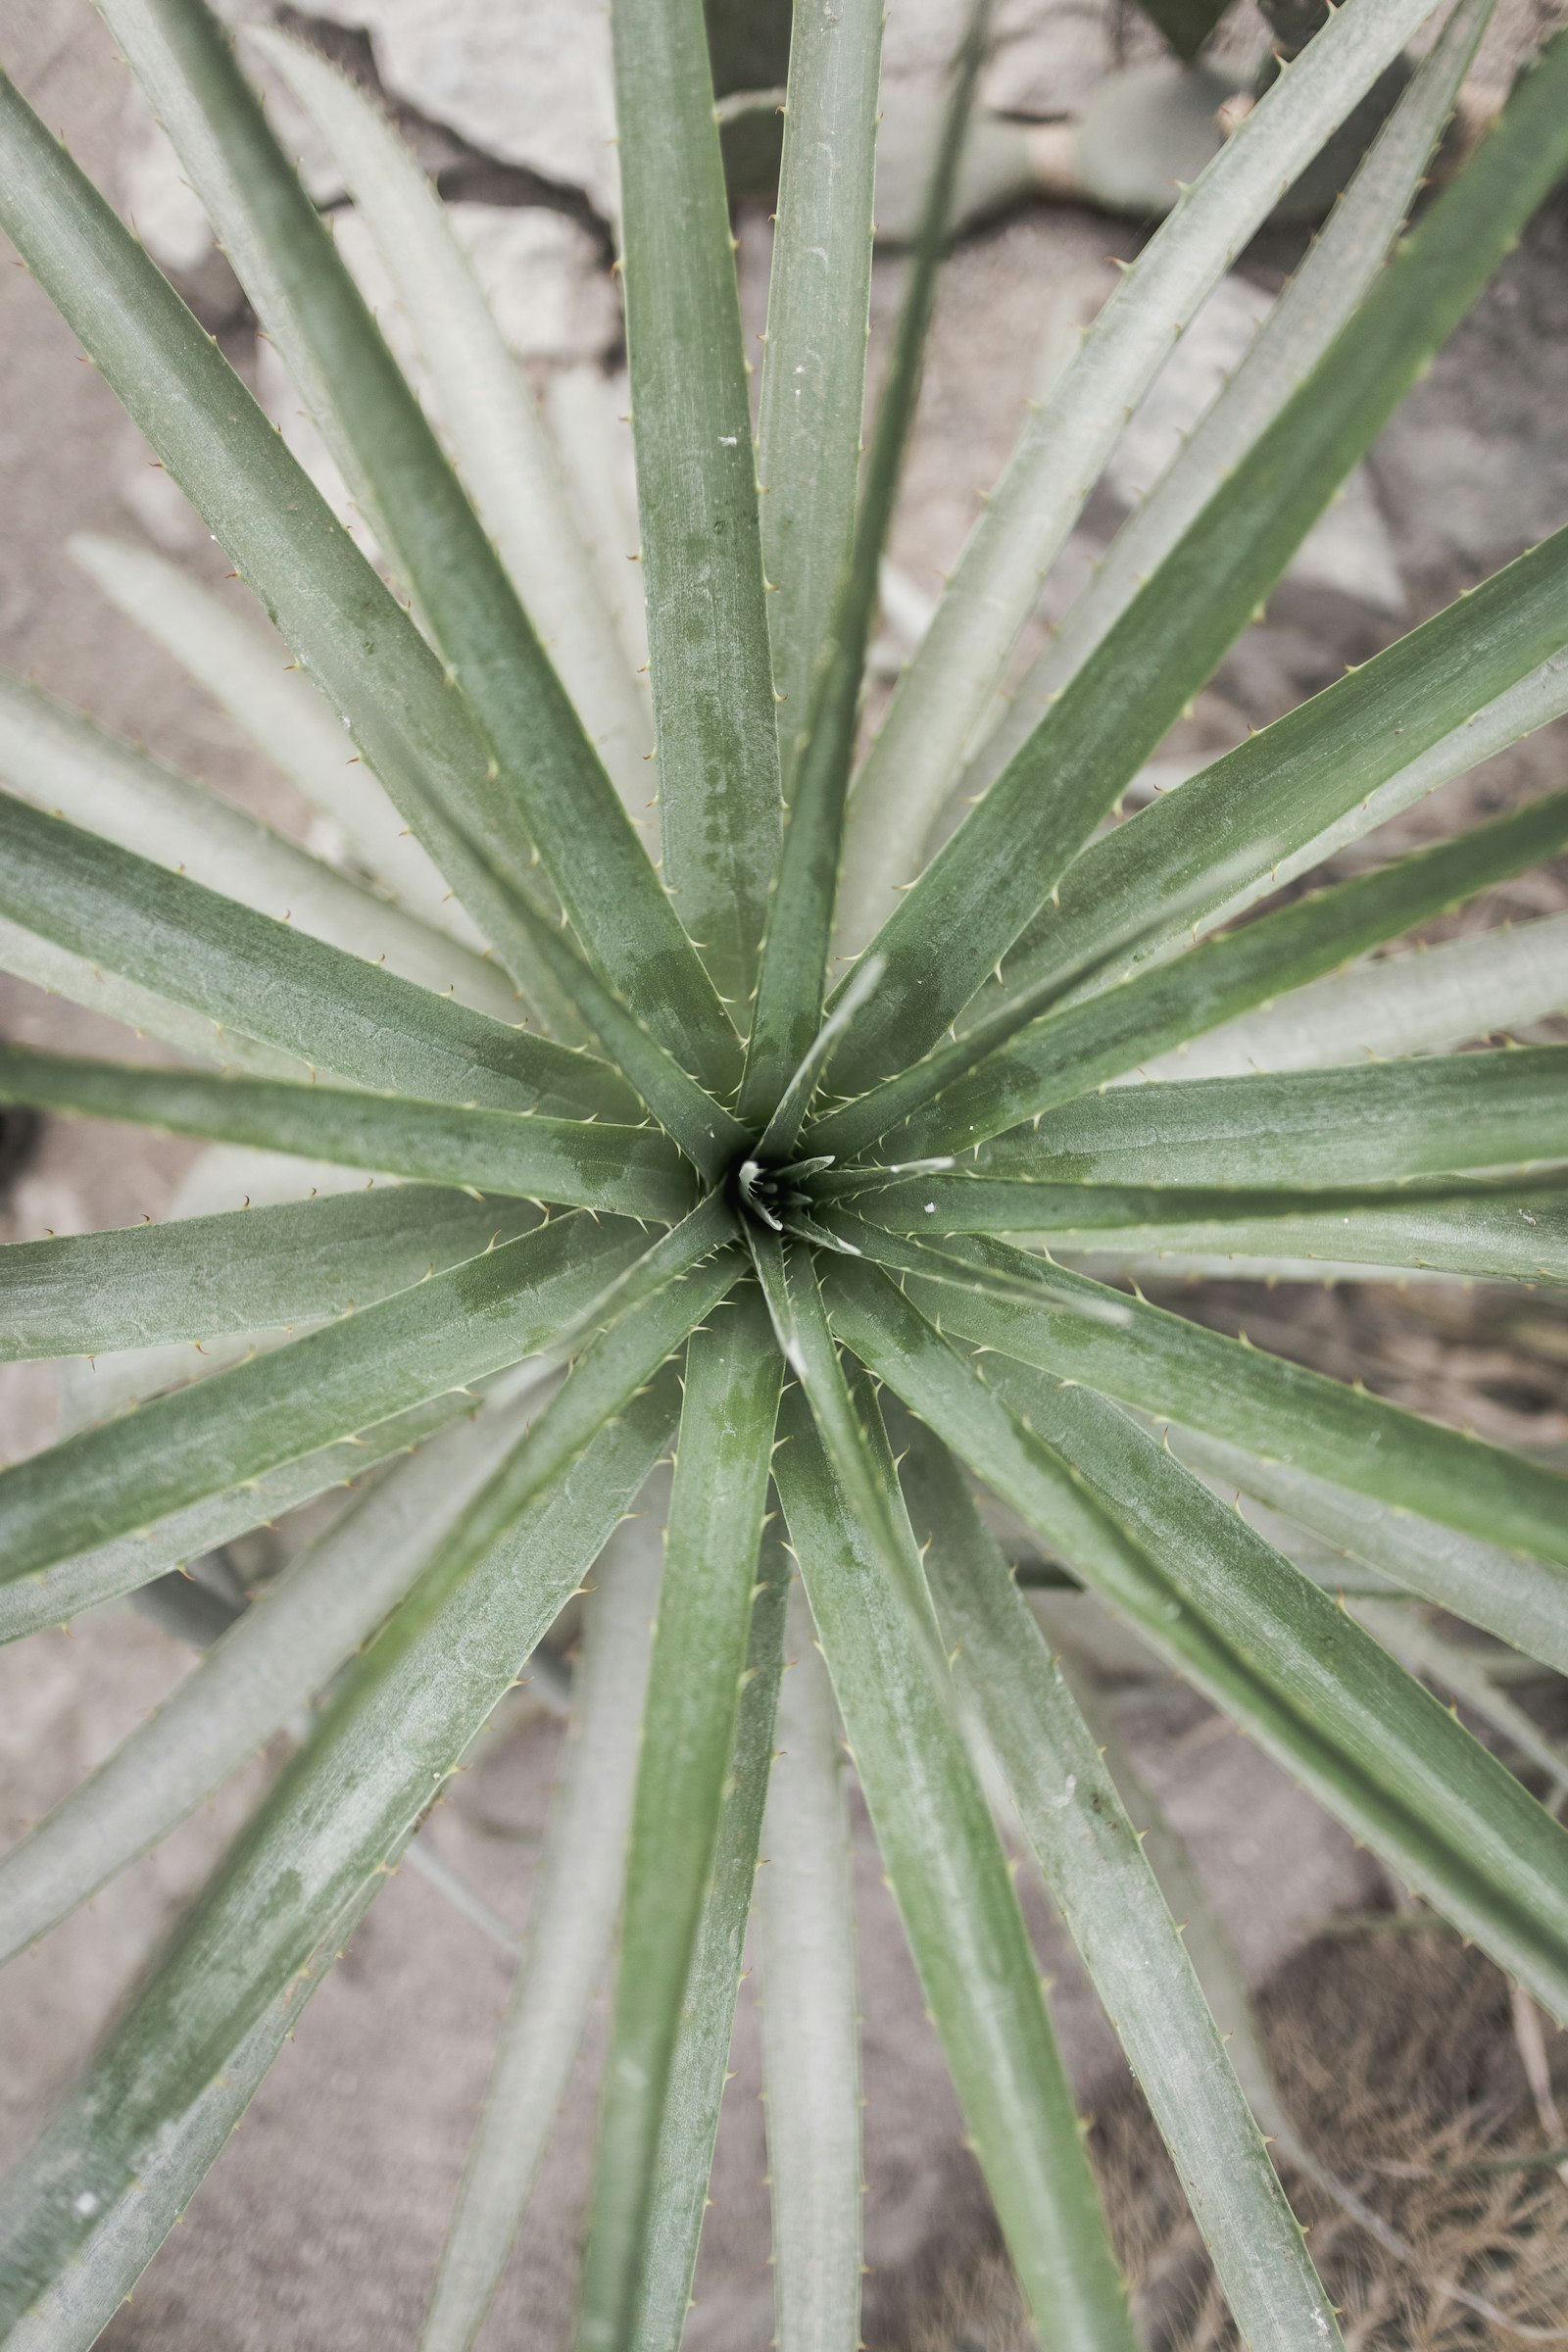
pixel 50 1598
pixel 1500 1590
pixel 1068 439
pixel 317 1391
pixel 1258 1639
pixel 274 702
pixel 1314 303
pixel 1454 1666
pixel 543 783
pixel 326 1604
pixel 572 1903
pixel 791 981
pixel 1483 984
pixel 699 2069
pixel 80 2300
pixel 58 973
pixel 244 1270
pixel 953 1886
pixel 712 680
pixel 813 369
pixel 358 642
pixel 580 1162
pixel 811 2029
pixel 592 433
pixel 716 1522
pixel 64 763
pixel 1163 1364
pixel 1093 1865
pixel 482 399
pixel 398 1727
pixel 788 1274
pixel 258 975
pixel 1366 1123
pixel 1000 868
pixel 1007 1067
pixel 1493 1232
pixel 1325 775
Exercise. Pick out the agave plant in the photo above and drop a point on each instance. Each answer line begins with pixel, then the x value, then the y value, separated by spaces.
pixel 758 1154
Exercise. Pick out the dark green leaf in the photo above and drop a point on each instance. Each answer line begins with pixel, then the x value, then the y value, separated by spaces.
pixel 578 1162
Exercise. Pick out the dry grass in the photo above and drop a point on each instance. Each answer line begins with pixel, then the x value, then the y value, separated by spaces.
pixel 1397 2055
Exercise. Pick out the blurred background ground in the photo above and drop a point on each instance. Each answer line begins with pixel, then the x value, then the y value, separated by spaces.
pixel 322 2224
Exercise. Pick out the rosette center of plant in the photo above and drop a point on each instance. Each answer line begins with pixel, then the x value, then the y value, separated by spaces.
pixel 777 1194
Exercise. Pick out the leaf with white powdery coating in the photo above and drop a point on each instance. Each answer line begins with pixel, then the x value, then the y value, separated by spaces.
pixel 1006 1066
pixel 578 1162
pixel 483 399
pixel 1481 674
pixel 1504 1592
pixel 1093 1866
pixel 1078 1329
pixel 785 1025
pixel 712 680
pixel 813 373
pixel 196 1277
pixel 1481 984
pixel 203 1441
pixel 1259 1640
pixel 274 1658
pixel 1314 303
pixel 543 783
pixel 81 2299
pixel 1364 1123
pixel 275 703
pixel 58 760
pixel 362 648
pixel 699 2069
pixel 1497 1232
pixel 49 1598
pixel 810 2026
pixel 1068 438
pixel 572 1916
pixel 953 1886
pixel 716 1522
pixel 262 977
pixel 999 869
pixel 399 1726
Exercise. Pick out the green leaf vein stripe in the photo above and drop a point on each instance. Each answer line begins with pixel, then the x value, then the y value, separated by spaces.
pixel 301 1261
pixel 710 667
pixel 265 979
pixel 316 1391
pixel 541 783
pixel 1259 1638
pixel 582 1163
pixel 1083 1331
pixel 982 889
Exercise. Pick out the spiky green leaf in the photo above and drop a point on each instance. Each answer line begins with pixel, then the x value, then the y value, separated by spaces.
pixel 1080 1329
pixel 1261 1641
pixel 580 1162
pixel 951 1883
pixel 1093 1865
pixel 259 976
pixel 1068 439
pixel 571 1916
pixel 242 1270
pixel 716 1522
pixel 702 557
pixel 542 785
